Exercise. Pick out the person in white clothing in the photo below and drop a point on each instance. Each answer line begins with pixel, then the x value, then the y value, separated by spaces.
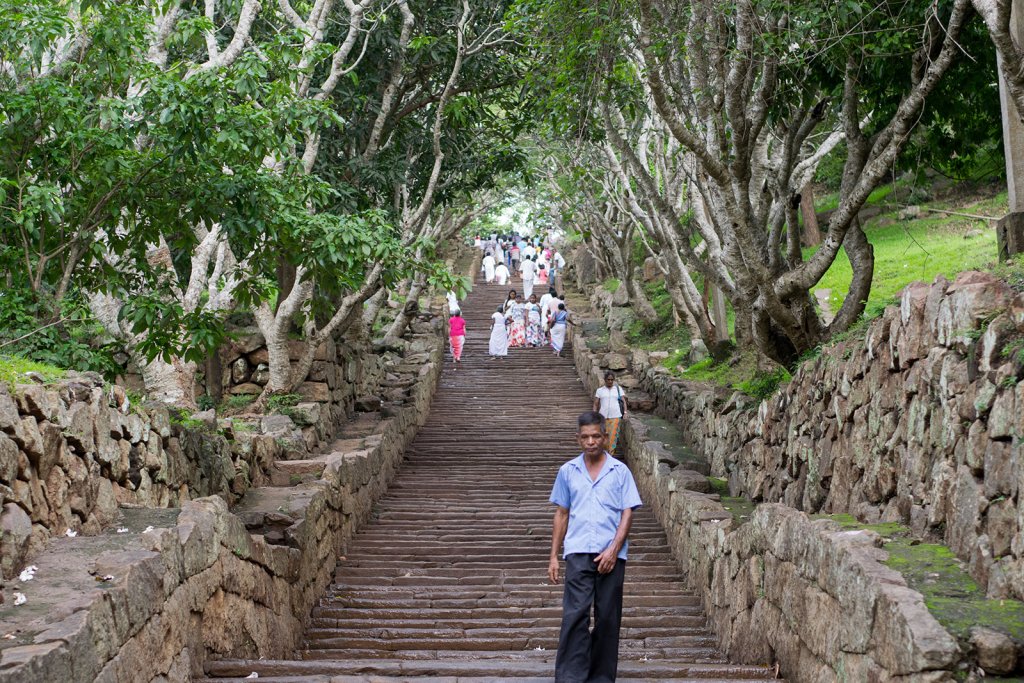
pixel 501 274
pixel 529 251
pixel 557 263
pixel 489 268
pixel 545 314
pixel 529 272
pixel 607 402
pixel 497 346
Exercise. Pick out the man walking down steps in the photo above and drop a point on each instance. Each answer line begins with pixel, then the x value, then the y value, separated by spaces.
pixel 595 497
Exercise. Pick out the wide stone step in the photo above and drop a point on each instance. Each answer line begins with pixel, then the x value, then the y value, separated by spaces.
pixel 503 638
pixel 326 626
pixel 328 649
pixel 387 614
pixel 638 575
pixel 327 678
pixel 410 601
pixel 485 668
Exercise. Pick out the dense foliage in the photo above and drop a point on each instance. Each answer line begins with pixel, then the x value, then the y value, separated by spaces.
pixel 164 164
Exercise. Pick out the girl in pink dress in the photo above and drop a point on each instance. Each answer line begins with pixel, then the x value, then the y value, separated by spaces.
pixel 457 335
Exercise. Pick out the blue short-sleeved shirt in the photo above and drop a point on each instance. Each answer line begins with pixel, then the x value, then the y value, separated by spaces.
pixel 595 507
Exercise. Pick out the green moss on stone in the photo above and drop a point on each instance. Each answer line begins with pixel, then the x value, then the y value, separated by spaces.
pixel 951 595
pixel 741 508
pixel 719 486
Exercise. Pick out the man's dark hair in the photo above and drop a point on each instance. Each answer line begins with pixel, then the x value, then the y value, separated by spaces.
pixel 591 417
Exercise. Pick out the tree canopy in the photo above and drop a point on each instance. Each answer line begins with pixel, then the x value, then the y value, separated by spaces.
pixel 165 164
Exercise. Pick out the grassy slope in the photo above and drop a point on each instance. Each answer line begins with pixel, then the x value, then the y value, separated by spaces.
pixel 905 251
pixel 919 250
pixel 13 369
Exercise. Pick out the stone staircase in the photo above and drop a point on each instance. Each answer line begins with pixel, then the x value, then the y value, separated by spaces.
pixel 447 582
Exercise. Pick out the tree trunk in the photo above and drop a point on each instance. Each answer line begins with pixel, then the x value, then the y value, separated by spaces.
pixel 408 312
pixel 172 383
pixel 372 310
pixel 641 304
pixel 811 234
pixel 285 277
pixel 215 376
pixel 279 360
pixel 719 317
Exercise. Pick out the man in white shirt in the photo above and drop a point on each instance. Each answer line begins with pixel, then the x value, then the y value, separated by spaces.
pixel 557 263
pixel 606 402
pixel 488 266
pixel 529 251
pixel 529 272
pixel 501 274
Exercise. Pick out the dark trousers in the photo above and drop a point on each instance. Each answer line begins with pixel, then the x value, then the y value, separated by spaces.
pixel 586 656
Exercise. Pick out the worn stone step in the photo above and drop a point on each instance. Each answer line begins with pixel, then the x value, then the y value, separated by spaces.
pixel 327 678
pixel 326 625
pixel 484 668
pixel 295 472
pixel 382 615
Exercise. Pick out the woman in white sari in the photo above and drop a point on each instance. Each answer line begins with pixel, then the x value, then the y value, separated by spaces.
pixel 559 323
pixel 498 345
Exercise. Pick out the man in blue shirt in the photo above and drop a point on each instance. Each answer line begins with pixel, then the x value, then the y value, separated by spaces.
pixel 596 496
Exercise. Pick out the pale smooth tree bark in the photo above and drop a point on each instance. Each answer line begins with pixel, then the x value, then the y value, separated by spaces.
pixel 717 93
pixel 210 287
pixel 275 325
pixel 214 271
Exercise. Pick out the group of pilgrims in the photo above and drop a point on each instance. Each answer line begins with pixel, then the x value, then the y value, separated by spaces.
pixel 523 320
pixel 529 323
pixel 535 261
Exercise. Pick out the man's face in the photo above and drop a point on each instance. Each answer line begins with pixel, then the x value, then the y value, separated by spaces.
pixel 591 439
pixel 609 381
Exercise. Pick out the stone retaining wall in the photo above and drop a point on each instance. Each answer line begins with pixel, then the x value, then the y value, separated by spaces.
pixel 918 420
pixel 198 584
pixel 785 588
pixel 69 458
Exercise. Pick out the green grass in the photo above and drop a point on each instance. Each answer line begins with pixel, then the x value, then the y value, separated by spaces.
pixel 740 508
pixel 950 594
pixel 279 401
pixel 919 249
pixel 739 372
pixel 13 369
pixel 663 333
pixel 611 284
pixel 729 373
pixel 830 202
pixel 237 402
